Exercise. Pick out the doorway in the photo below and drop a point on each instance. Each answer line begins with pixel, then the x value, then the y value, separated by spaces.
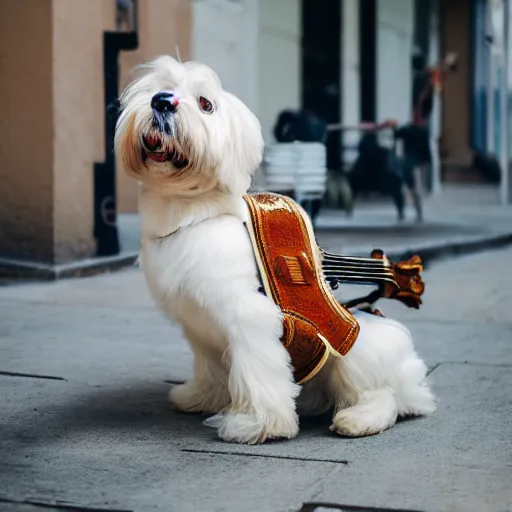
pixel 321 59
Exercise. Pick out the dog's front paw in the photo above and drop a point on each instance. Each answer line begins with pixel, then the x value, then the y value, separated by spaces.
pixel 253 429
pixel 192 398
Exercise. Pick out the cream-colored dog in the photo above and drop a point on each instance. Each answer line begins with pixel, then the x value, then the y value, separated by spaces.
pixel 194 147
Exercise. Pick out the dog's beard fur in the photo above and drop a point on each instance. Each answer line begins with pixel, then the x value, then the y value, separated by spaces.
pixel 194 168
pixel 200 151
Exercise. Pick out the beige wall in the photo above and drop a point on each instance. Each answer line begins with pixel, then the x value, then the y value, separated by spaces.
pixel 50 131
pixel 78 123
pixel 163 25
pixel 26 130
pixel 51 127
pixel 51 124
pixel 455 36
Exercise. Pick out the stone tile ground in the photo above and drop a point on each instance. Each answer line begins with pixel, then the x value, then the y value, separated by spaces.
pixel 86 365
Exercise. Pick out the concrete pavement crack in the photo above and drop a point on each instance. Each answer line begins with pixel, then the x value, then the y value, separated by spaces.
pixel 60 505
pixel 433 369
pixel 31 376
pixel 263 455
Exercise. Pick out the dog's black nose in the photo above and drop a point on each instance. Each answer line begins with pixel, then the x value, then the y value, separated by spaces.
pixel 164 102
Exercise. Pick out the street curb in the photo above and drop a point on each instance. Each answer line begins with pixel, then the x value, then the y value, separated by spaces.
pixel 13 271
pixel 439 251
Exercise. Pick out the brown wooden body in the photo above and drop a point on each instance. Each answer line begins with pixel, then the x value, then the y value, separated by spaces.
pixel 315 324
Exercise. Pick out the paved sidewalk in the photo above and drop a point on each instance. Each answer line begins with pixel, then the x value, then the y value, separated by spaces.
pixel 86 365
pixel 461 214
pixel 462 217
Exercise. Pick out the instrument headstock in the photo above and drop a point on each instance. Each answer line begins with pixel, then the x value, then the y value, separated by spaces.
pixel 409 285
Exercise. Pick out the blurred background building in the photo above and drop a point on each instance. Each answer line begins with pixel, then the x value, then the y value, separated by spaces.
pixel 348 60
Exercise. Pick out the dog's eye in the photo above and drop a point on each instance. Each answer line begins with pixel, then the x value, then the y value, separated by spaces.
pixel 206 105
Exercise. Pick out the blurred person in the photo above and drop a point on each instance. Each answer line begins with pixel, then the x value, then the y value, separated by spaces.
pixel 415 136
pixel 376 169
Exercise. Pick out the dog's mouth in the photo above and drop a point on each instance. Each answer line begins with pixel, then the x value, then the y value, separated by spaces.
pixel 153 148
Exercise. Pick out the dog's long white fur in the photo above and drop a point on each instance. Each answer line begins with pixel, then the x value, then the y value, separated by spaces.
pixel 201 271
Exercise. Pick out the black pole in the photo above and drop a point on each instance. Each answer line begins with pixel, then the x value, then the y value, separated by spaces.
pixel 105 210
pixel 368 56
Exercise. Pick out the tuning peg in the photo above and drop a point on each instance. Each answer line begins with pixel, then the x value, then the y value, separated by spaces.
pixel 333 284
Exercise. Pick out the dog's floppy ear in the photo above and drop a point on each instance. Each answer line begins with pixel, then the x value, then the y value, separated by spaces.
pixel 244 147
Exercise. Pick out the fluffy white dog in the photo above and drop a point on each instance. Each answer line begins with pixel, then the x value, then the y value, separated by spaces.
pixel 194 147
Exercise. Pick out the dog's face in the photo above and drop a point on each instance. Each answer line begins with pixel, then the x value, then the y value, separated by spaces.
pixel 180 133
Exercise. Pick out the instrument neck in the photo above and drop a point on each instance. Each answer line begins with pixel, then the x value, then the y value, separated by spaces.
pixel 351 269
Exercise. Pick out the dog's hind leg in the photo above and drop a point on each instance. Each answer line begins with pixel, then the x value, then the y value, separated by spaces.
pixel 380 379
pixel 208 390
pixel 374 412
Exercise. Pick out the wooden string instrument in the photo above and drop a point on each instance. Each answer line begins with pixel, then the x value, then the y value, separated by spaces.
pixel 299 277
pixel 396 280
